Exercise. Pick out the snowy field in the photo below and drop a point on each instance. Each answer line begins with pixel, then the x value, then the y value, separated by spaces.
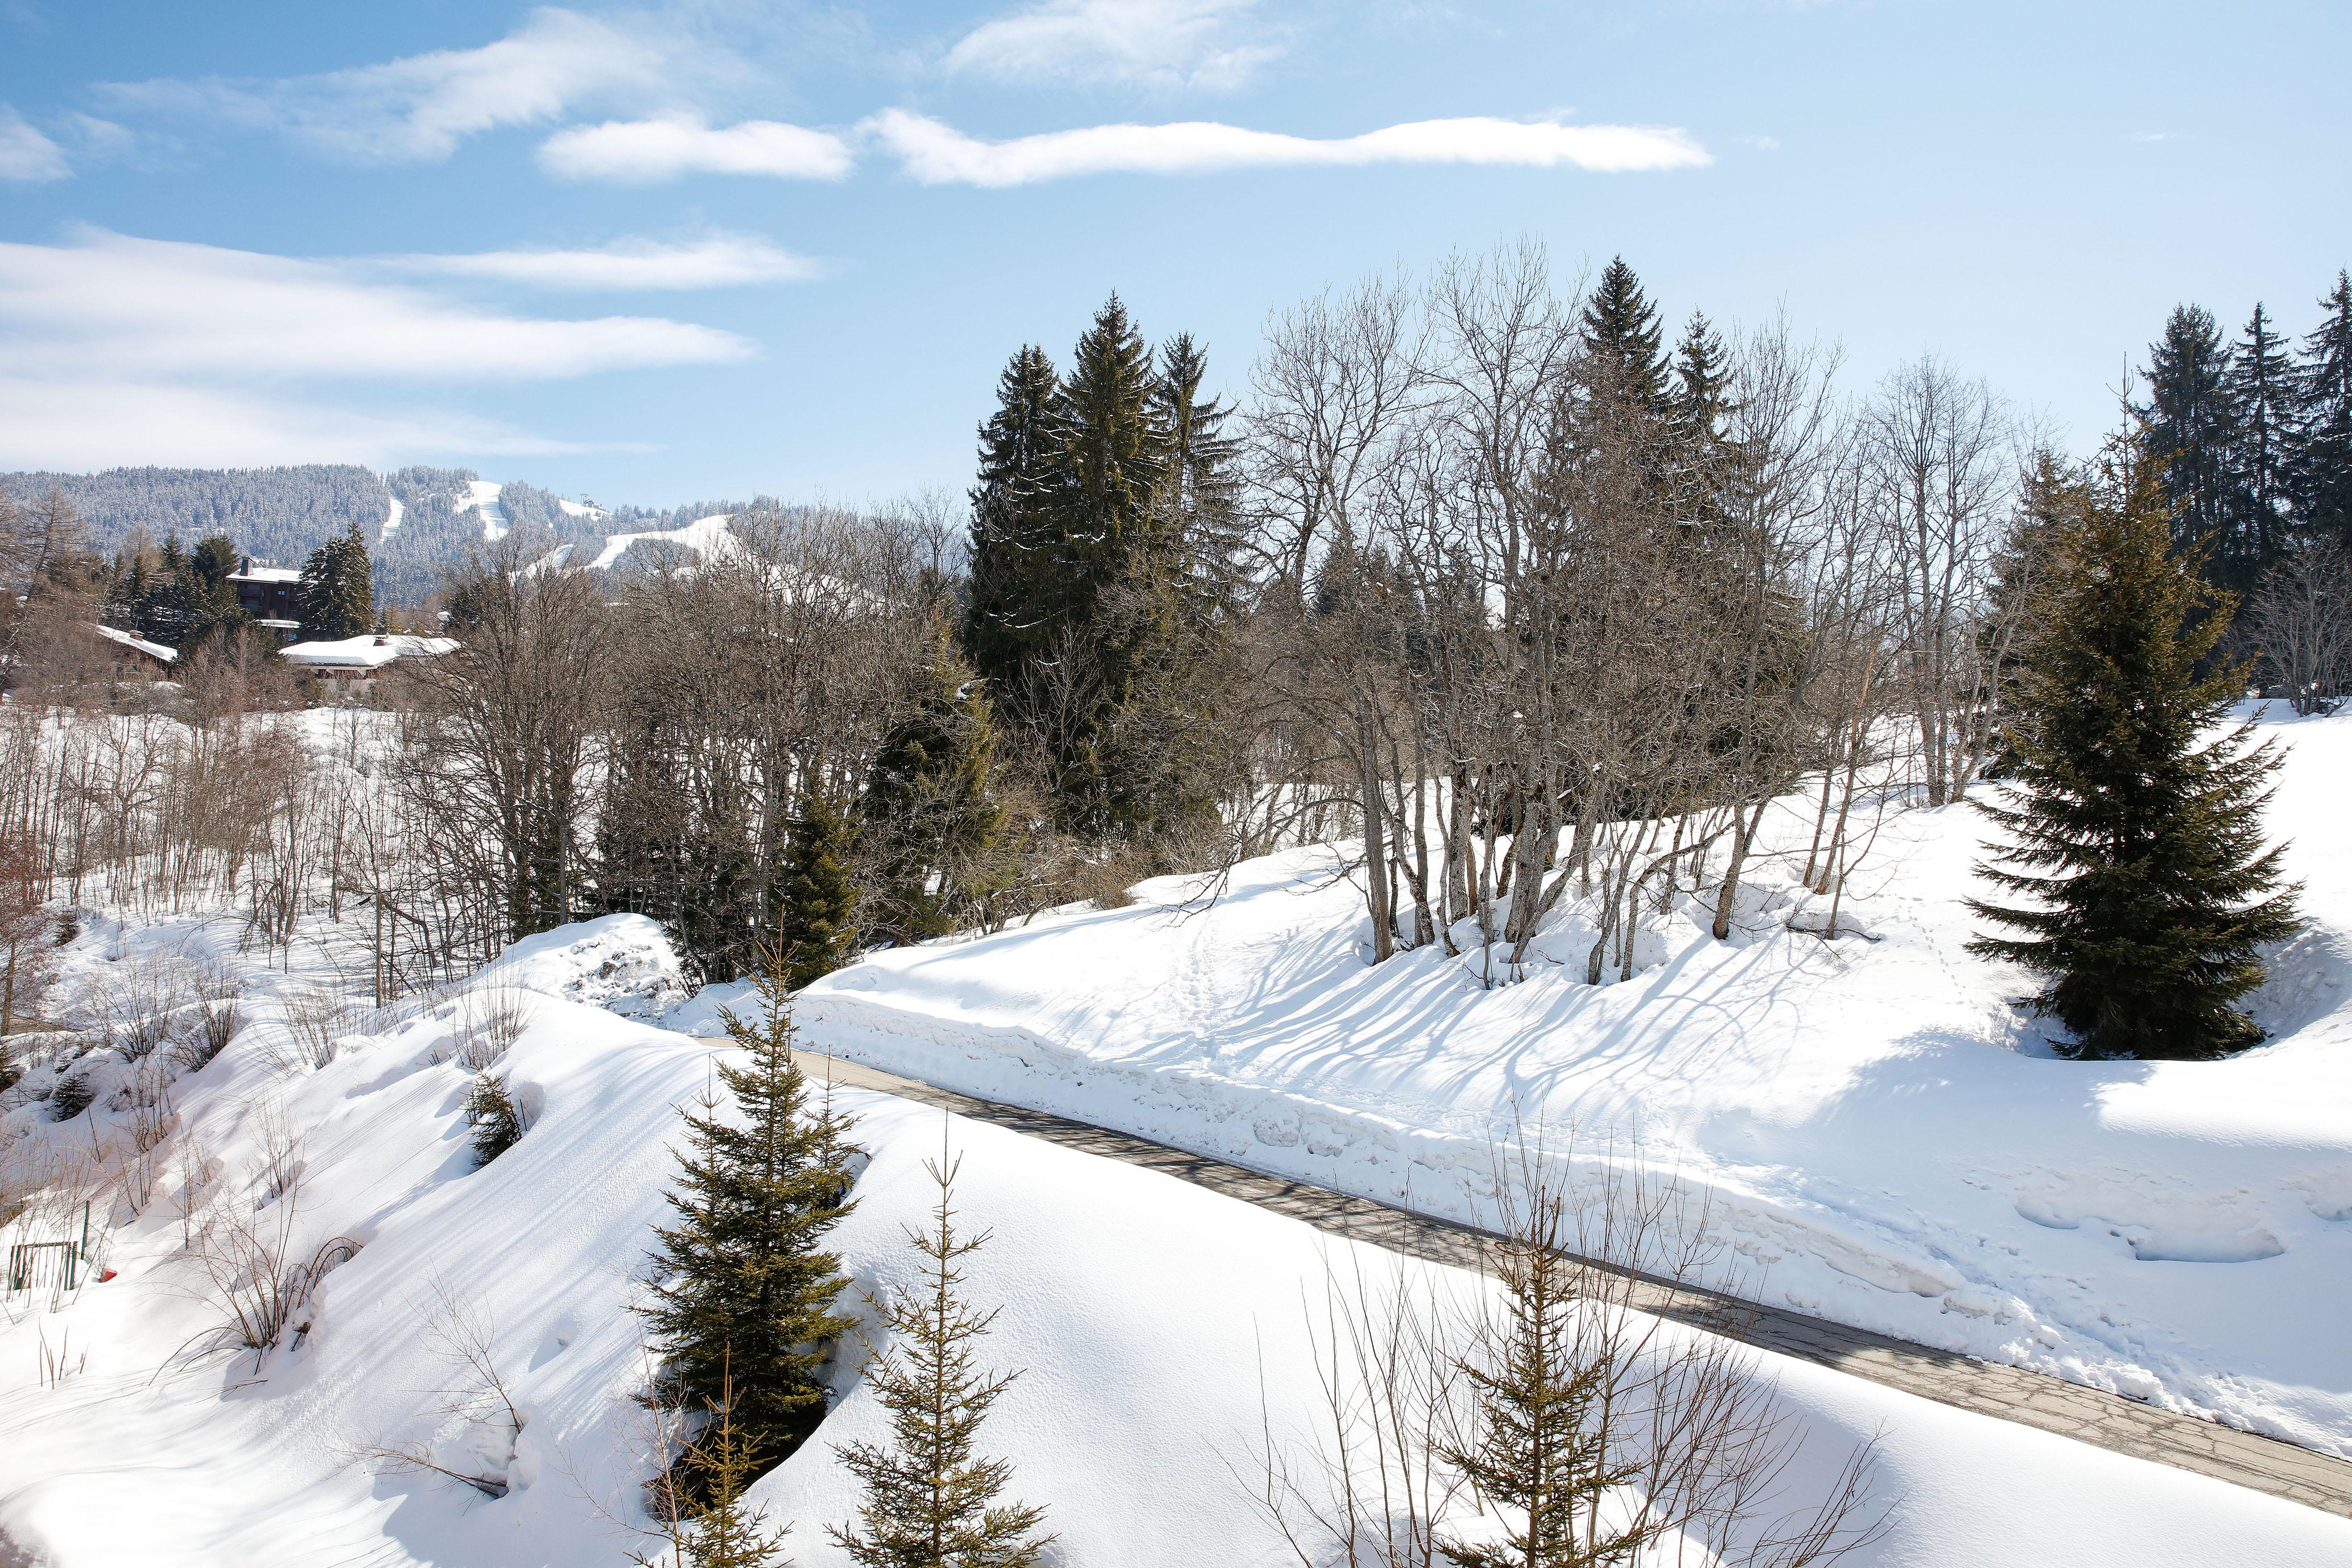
pixel 1151 1316
pixel 1883 1140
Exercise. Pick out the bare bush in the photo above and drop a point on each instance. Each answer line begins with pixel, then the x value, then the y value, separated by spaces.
pixel 490 1019
pixel 315 1019
pixel 254 1268
pixel 479 1418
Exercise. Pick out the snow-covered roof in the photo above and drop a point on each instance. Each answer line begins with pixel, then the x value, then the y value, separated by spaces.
pixel 368 651
pixel 152 649
pixel 253 574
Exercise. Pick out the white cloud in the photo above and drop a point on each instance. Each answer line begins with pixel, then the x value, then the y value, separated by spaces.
pixel 25 153
pixel 935 153
pixel 718 262
pixel 113 305
pixel 419 108
pixel 1158 43
pixel 640 151
pixel 85 422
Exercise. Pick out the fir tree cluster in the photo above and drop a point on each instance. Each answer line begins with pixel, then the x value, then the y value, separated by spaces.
pixel 173 597
pixel 1103 536
pixel 336 594
pixel 2252 437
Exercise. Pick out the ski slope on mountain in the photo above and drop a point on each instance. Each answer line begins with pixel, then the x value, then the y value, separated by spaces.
pixel 1160 1330
pixel 704 536
pixel 1883 1139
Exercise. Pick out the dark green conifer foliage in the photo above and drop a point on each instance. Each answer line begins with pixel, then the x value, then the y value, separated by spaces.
pixel 2132 836
pixel 1017 563
pixel 1622 341
pixel 743 1273
pixel 727 1530
pixel 337 594
pixel 930 822
pixel 1532 1452
pixel 496 1121
pixel 2188 426
pixel 2262 406
pixel 816 927
pixel 2321 468
pixel 929 1502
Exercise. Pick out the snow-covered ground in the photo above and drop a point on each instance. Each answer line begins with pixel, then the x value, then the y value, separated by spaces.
pixel 1885 1141
pixel 1159 1327
pixel 576 509
pixel 392 519
pixel 482 496
pixel 704 536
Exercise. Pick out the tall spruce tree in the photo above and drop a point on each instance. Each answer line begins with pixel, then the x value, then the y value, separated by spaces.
pixel 2321 470
pixel 743 1307
pixel 2134 835
pixel 2189 428
pixel 1622 341
pixel 2262 389
pixel 1013 609
pixel 336 595
pixel 930 820
pixel 930 1501
pixel 816 928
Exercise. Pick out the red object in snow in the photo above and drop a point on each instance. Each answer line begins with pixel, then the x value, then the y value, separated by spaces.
pixel 105 1277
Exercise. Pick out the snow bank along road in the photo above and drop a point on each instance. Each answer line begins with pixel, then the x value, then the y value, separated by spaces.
pixel 1881 1139
pixel 2087 1414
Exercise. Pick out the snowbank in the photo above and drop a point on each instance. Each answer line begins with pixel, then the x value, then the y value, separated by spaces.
pixel 1885 1141
pixel 1158 1326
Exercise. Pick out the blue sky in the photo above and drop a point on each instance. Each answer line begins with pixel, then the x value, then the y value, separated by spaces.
pixel 653 253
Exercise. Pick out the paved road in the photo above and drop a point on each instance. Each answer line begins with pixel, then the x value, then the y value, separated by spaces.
pixel 2013 1393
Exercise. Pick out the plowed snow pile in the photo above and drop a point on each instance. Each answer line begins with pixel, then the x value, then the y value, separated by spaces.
pixel 1883 1139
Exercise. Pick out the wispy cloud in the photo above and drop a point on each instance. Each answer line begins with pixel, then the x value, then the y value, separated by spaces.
pixel 718 262
pixel 86 423
pixel 936 153
pixel 1205 44
pixel 112 304
pixel 119 348
pixel 641 151
pixel 418 109
pixel 25 154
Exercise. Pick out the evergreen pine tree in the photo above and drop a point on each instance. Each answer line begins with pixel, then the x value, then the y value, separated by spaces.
pixel 2261 388
pixel 929 1501
pixel 1622 341
pixel 2321 470
pixel 1016 564
pixel 336 594
pixel 2188 426
pixel 726 1530
pixel 496 1120
pixel 931 824
pixel 744 1275
pixel 816 930
pixel 2135 838
pixel 1201 497
pixel 1532 1451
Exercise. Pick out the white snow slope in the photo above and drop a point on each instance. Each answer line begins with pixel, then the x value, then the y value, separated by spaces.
pixel 704 536
pixel 1158 1326
pixel 1887 1143
pixel 482 496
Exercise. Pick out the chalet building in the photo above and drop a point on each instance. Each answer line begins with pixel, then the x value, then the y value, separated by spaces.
pixel 349 666
pixel 268 593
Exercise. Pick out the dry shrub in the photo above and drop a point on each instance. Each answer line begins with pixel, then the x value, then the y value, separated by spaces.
pixel 315 1021
pixel 253 1268
pixel 490 1019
